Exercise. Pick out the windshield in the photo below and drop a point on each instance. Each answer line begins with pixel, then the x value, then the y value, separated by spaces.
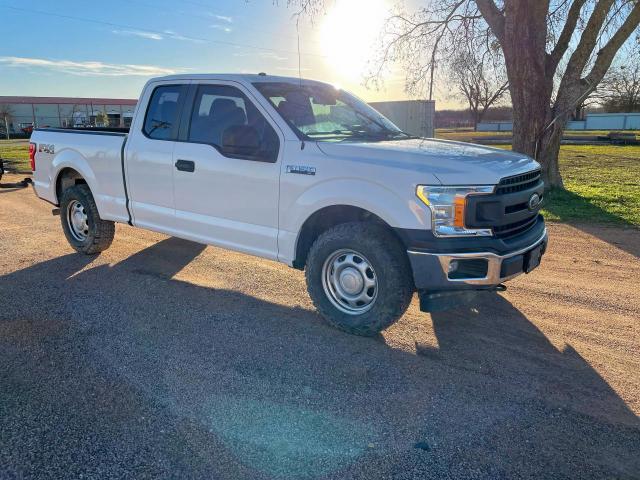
pixel 322 112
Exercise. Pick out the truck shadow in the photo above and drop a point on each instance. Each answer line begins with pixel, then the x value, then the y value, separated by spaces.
pixel 614 235
pixel 566 205
pixel 124 369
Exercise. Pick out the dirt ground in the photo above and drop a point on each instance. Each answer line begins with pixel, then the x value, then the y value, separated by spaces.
pixel 161 358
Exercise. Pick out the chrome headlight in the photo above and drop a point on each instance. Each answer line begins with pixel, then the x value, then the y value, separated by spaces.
pixel 447 205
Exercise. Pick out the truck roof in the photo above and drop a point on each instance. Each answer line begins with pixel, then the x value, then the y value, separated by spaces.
pixel 238 77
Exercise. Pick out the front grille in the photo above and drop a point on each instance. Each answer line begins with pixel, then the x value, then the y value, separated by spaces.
pixel 518 183
pixel 506 212
pixel 511 185
pixel 518 207
pixel 515 228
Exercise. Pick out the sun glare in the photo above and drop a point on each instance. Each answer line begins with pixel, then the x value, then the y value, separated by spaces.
pixel 349 33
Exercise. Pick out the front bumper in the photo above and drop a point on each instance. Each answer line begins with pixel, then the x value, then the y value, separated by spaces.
pixel 431 270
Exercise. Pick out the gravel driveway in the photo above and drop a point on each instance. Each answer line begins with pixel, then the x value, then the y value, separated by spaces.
pixel 164 359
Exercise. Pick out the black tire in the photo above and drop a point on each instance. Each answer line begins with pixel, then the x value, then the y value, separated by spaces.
pixel 99 233
pixel 389 261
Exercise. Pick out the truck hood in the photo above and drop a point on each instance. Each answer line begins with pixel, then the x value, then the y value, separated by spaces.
pixel 453 163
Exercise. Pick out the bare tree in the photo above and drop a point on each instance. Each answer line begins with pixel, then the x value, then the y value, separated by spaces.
pixel 480 80
pixel 537 39
pixel 102 119
pixel 620 88
pixel 6 114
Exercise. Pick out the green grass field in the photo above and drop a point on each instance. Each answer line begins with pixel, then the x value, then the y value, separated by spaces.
pixel 602 185
pixel 602 182
pixel 468 135
pixel 17 154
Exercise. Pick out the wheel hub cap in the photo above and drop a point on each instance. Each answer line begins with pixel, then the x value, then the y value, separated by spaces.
pixel 349 281
pixel 78 220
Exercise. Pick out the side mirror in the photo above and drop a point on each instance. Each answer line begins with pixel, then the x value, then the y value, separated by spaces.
pixel 241 140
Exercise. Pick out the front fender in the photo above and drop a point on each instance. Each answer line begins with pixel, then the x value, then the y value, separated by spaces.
pixel 397 209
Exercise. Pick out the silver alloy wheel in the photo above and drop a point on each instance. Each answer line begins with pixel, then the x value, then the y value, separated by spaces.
pixel 77 220
pixel 349 282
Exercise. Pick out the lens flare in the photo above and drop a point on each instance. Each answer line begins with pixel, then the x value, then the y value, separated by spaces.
pixel 349 35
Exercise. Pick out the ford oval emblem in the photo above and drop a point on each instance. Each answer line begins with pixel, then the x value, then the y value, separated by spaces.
pixel 534 201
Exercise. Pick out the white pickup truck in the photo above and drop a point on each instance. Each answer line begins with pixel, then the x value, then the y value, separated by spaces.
pixel 302 173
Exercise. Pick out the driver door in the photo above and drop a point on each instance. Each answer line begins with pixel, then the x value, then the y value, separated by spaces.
pixel 223 198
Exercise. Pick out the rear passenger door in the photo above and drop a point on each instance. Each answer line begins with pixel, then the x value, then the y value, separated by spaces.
pixel 149 157
pixel 227 170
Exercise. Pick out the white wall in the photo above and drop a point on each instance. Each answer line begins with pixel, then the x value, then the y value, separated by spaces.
pixel 495 126
pixel 594 121
pixel 613 121
pixel 415 117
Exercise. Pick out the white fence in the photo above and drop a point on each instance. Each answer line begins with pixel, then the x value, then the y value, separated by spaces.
pixel 495 126
pixel 594 121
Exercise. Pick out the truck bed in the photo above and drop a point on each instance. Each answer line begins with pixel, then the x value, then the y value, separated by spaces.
pixel 95 154
pixel 94 130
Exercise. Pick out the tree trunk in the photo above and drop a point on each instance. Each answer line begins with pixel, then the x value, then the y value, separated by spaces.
pixel 524 46
pixel 521 28
pixel 476 120
pixel 530 113
pixel 548 152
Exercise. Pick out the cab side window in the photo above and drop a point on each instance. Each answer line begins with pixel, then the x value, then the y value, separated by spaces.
pixel 161 121
pixel 225 118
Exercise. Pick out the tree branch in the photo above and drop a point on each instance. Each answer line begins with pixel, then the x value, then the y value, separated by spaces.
pixel 493 16
pixel 588 40
pixel 608 52
pixel 565 36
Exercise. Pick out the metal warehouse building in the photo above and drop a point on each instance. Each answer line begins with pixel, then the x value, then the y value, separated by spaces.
pixel 412 116
pixel 29 112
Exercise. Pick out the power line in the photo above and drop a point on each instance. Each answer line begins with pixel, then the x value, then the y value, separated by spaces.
pixel 183 13
pixel 157 32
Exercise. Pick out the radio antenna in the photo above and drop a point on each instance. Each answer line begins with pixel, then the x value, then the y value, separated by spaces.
pixel 298 15
pixel 298 38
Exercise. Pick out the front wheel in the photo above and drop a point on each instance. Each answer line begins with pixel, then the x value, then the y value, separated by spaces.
pixel 359 278
pixel 86 232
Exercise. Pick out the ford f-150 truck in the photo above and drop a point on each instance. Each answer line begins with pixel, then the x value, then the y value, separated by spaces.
pixel 303 173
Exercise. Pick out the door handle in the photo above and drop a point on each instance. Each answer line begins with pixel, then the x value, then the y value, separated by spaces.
pixel 185 165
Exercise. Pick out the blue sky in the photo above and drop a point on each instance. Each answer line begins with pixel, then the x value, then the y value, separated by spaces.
pixel 110 48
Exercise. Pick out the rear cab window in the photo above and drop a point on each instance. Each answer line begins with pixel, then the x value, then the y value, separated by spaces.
pixel 163 112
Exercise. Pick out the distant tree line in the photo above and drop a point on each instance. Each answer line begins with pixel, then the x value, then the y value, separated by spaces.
pixel 464 118
pixel 619 91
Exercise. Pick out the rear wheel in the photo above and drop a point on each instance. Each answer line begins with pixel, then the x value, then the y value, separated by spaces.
pixel 359 278
pixel 86 232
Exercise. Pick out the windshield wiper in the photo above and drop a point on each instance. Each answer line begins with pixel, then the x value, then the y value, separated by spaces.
pixel 405 135
pixel 346 134
pixel 158 124
pixel 331 133
pixel 378 136
pixel 384 130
